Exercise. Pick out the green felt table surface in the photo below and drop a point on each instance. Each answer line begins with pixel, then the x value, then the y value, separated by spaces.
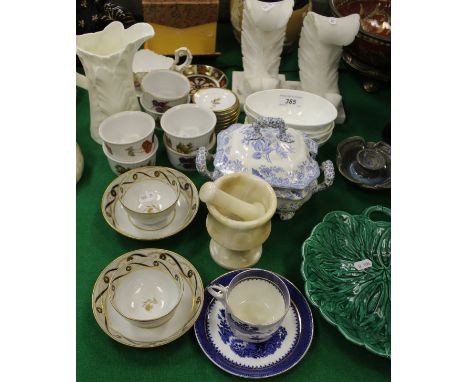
pixel 330 358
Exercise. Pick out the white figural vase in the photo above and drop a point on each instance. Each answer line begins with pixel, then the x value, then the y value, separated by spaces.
pixel 320 48
pixel 107 58
pixel 263 31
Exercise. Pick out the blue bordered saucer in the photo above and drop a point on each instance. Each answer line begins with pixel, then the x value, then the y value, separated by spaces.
pixel 275 356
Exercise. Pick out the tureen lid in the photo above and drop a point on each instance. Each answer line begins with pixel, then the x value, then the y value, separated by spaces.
pixel 282 157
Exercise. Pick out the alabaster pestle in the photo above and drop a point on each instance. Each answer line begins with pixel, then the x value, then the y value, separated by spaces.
pixel 209 193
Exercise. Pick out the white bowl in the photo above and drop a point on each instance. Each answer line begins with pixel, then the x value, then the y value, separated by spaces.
pixel 165 89
pixel 150 200
pixel 298 108
pixel 128 135
pixel 188 126
pixel 186 162
pixel 119 167
pixel 146 294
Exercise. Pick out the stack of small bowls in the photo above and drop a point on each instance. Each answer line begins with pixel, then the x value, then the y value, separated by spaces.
pixel 162 89
pixel 146 291
pixel 300 110
pixel 186 129
pixel 223 102
pixel 128 140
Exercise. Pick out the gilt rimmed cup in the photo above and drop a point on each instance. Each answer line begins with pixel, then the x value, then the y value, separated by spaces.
pixel 163 89
pixel 146 291
pixel 256 303
pixel 188 127
pixel 150 199
pixel 128 135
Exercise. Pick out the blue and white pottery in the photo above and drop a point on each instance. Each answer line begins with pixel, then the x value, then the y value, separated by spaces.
pixel 285 158
pixel 256 302
pixel 280 353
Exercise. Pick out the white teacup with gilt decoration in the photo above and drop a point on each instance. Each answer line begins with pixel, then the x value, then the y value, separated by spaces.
pixel 146 291
pixel 150 198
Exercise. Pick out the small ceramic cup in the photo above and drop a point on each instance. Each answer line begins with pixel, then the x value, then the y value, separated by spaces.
pixel 146 60
pixel 146 292
pixel 188 127
pixel 118 167
pixel 150 200
pixel 128 135
pixel 164 88
pixel 256 302
pixel 186 162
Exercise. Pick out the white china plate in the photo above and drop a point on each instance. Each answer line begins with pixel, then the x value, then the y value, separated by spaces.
pixel 115 215
pixel 120 330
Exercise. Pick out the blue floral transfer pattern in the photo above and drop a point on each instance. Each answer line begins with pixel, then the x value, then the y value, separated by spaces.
pixel 247 349
pixel 277 176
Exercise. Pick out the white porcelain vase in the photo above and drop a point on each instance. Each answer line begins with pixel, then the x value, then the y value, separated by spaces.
pixel 263 31
pixel 107 58
pixel 320 48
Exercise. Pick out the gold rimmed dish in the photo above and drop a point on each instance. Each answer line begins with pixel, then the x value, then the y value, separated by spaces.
pixel 205 76
pixel 185 209
pixel 186 313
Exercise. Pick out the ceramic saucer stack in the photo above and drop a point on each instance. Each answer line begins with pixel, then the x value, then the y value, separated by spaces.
pixel 117 216
pixel 117 325
pixel 224 104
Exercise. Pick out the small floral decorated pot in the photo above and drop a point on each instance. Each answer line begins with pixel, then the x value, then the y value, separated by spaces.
pixel 285 158
pixel 128 136
pixel 118 167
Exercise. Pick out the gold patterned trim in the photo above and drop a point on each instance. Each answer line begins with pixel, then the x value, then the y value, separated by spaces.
pixel 189 273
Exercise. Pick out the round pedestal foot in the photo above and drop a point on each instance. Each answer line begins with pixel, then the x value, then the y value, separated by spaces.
pixel 231 260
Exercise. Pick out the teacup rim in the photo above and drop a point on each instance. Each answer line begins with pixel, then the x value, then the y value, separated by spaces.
pixel 180 290
pixel 174 109
pixel 151 213
pixel 111 117
pixel 172 72
pixel 280 281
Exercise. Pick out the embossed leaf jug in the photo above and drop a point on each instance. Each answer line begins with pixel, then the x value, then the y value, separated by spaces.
pixel 107 58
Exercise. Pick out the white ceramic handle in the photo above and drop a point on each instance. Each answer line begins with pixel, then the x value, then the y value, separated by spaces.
pixel 219 292
pixel 209 193
pixel 82 81
pixel 182 52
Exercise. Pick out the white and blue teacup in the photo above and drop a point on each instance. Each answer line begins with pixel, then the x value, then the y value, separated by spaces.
pixel 256 302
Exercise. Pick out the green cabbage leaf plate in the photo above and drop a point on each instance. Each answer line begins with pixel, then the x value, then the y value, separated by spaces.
pixel 339 280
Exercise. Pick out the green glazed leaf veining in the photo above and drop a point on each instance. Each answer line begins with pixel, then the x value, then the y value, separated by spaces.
pixel 355 299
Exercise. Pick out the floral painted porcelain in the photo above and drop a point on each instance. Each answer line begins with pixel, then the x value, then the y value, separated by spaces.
pixel 255 360
pixel 204 76
pixel 285 158
pixel 346 268
pixel 121 330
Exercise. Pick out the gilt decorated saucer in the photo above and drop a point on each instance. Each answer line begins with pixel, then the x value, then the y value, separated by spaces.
pixel 255 360
pixel 117 217
pixel 121 330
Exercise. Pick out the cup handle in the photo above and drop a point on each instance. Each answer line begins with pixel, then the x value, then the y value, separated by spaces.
pixel 181 52
pixel 217 291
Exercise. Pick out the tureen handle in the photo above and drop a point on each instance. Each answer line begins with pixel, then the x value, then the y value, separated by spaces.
pixel 311 145
pixel 278 123
pixel 200 162
pixel 328 174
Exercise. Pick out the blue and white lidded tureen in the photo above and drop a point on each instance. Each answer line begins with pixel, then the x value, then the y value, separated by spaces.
pixel 285 158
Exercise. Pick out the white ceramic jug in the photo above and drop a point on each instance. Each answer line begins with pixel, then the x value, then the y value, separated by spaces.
pixel 107 58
